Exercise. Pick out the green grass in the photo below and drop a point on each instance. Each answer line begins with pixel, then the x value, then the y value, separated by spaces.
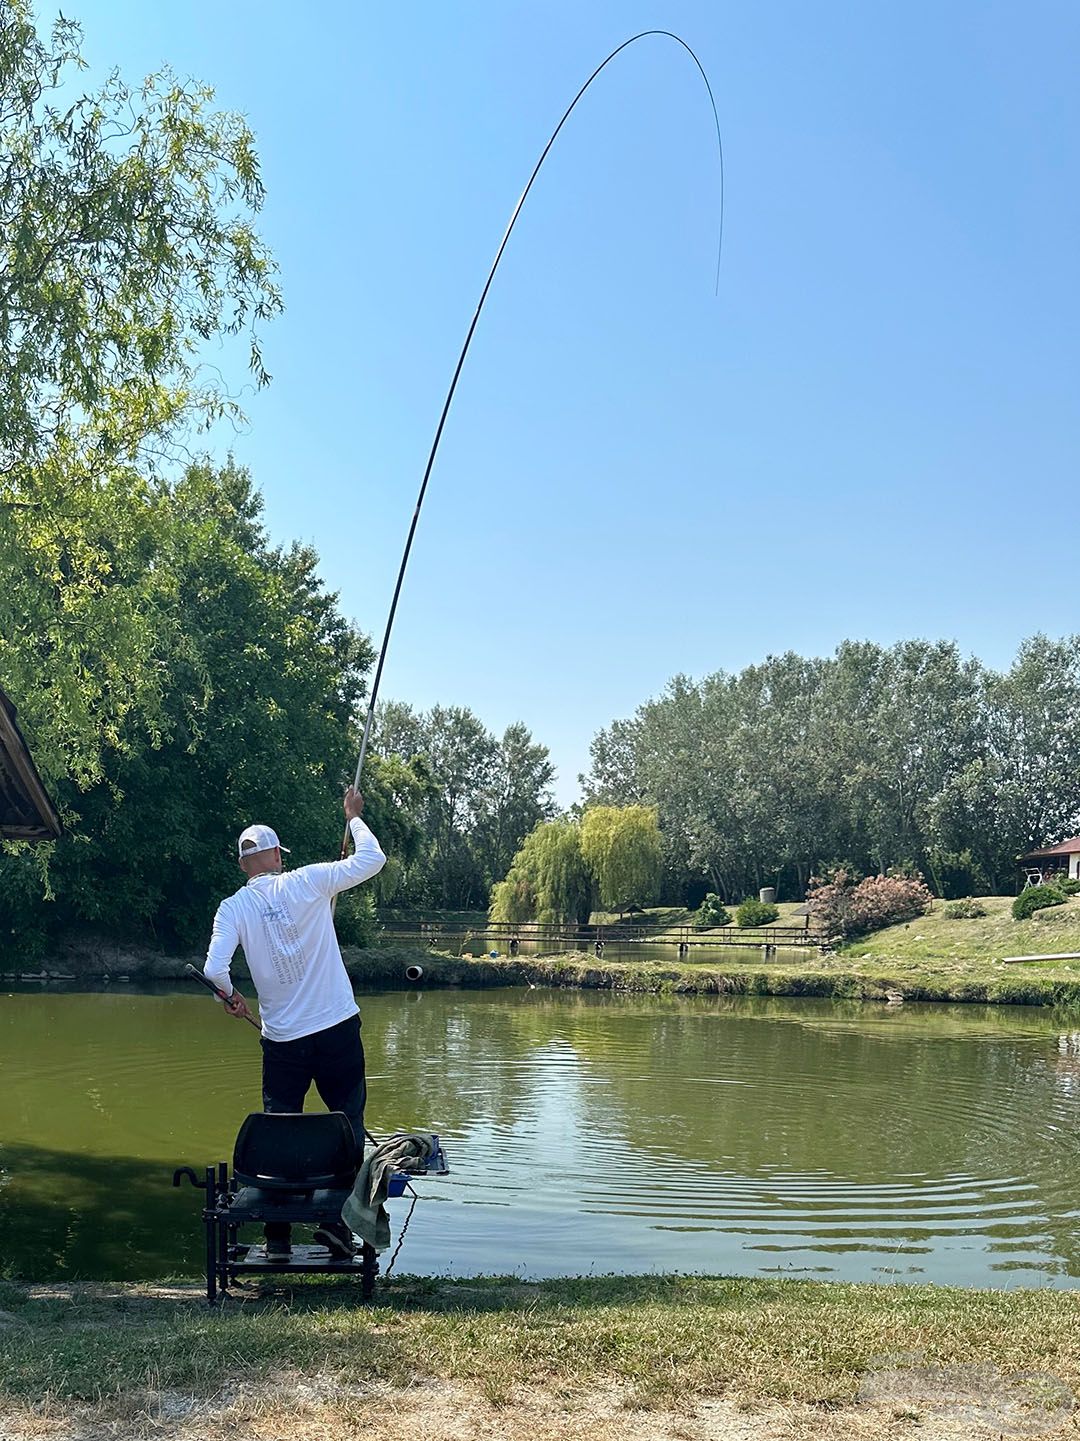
pixel 662 916
pixel 671 917
pixel 987 938
pixel 851 974
pixel 662 1336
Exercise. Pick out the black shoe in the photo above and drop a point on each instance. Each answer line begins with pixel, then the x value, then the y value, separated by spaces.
pixel 278 1251
pixel 338 1240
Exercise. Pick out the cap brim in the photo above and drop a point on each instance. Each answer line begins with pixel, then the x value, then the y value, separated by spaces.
pixel 285 849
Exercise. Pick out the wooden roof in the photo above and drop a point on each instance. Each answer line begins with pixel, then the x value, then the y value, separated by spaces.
pixel 1063 848
pixel 26 813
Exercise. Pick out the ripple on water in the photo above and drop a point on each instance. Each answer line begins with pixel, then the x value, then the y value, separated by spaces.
pixel 592 1133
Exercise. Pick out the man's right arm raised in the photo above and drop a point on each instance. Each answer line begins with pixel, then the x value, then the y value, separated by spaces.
pixel 367 860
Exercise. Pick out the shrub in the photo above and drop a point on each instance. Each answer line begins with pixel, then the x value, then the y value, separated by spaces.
pixel 711 912
pixel 357 919
pixel 1036 898
pixel 967 909
pixel 1068 886
pixel 844 907
pixel 756 913
pixel 958 875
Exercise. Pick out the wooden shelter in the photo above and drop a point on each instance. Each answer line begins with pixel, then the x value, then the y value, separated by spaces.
pixel 1051 861
pixel 26 813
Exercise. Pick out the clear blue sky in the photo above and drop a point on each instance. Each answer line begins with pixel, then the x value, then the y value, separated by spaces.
pixel 873 432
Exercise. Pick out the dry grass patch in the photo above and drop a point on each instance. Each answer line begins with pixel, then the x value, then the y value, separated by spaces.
pixel 294 1408
pixel 586 1355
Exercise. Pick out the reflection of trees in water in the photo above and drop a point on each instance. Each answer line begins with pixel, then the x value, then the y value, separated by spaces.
pixel 799 1097
pixel 450 1060
pixel 65 1215
pixel 764 1088
pixel 773 1090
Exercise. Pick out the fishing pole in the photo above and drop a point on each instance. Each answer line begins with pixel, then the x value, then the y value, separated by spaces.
pixel 642 35
pixel 194 971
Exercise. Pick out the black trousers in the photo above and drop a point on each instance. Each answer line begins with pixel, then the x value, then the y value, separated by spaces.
pixel 334 1060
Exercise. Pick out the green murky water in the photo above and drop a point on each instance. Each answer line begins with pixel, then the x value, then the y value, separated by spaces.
pixel 587 1132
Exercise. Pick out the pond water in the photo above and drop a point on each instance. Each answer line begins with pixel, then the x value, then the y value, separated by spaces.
pixel 587 1132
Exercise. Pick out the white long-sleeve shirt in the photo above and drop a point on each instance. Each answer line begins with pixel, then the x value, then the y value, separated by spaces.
pixel 286 929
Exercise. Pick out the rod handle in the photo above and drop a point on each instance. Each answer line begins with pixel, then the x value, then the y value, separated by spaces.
pixel 216 990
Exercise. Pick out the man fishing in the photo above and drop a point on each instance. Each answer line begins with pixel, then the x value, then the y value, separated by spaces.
pixel 310 1019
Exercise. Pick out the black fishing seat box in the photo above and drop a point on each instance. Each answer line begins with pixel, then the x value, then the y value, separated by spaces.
pixel 286 1168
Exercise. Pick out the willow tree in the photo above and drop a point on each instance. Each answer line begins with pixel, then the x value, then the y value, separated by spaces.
pixel 126 244
pixel 621 847
pixel 548 880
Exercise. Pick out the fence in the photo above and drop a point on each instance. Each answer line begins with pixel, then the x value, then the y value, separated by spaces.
pixel 446 935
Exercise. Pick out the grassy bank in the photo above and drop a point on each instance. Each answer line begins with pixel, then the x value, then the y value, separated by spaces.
pixel 852 974
pixel 931 959
pixel 846 976
pixel 618 1356
pixel 985 938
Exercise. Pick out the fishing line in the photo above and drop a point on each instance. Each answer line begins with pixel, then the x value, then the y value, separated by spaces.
pixel 642 35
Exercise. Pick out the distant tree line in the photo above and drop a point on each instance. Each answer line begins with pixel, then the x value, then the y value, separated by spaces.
pixel 482 794
pixel 907 757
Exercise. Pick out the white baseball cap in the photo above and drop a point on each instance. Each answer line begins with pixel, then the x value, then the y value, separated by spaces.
pixel 258 838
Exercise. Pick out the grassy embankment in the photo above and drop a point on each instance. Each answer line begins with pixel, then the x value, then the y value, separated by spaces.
pixel 623 1357
pixel 932 958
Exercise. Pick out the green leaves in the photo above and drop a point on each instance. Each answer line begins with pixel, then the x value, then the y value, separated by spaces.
pixel 125 242
pixel 621 847
pixel 613 854
pixel 485 794
pixel 909 755
pixel 549 880
pixel 245 681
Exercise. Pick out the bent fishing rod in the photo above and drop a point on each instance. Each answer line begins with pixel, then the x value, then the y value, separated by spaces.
pixel 642 35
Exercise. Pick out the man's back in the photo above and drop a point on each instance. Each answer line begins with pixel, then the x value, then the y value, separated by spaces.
pixel 284 923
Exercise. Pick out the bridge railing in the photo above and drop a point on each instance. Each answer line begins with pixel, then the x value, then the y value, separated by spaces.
pixel 586 937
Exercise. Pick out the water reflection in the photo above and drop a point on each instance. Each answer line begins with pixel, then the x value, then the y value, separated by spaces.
pixel 587 1132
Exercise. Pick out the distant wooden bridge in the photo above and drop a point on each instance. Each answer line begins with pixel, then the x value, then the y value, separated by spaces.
pixel 508 938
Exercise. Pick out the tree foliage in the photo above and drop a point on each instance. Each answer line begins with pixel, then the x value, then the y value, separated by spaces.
pixel 486 794
pixel 621 847
pixel 874 758
pixel 565 866
pixel 548 882
pixel 260 678
pixel 126 243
